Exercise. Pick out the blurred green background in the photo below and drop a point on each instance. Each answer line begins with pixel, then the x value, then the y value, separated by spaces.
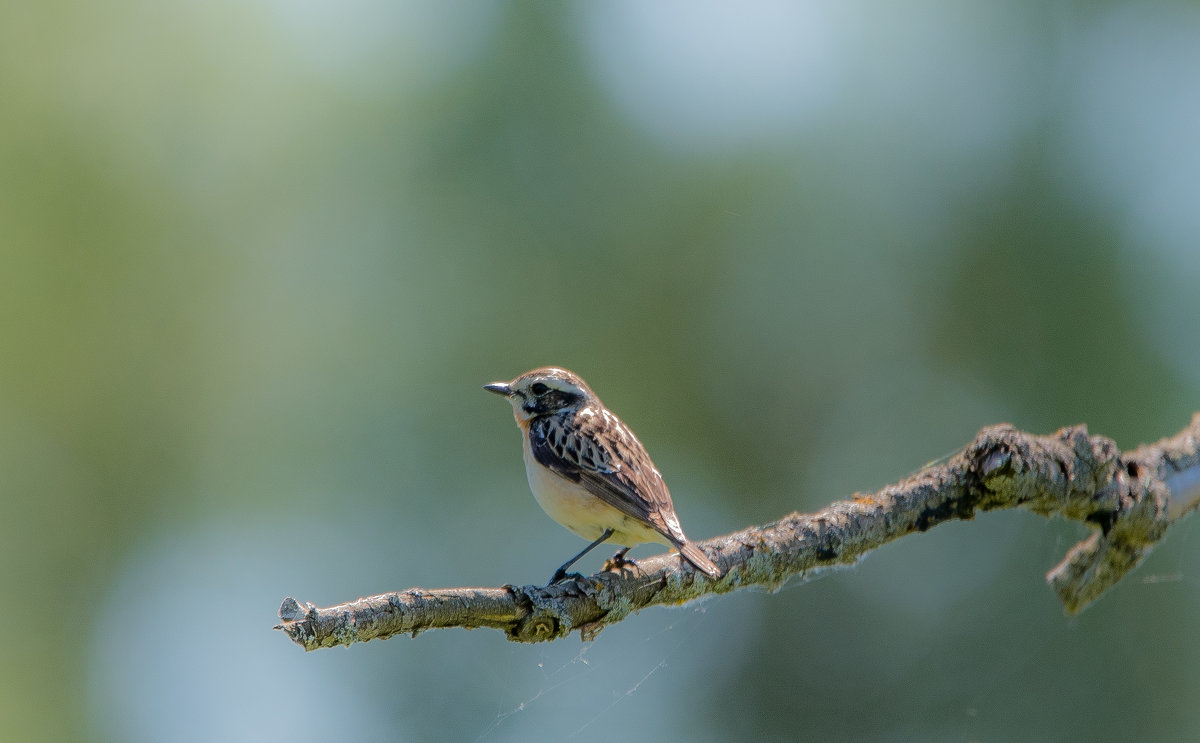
pixel 258 258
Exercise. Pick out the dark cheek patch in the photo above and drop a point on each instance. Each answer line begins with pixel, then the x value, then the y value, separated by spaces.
pixel 548 403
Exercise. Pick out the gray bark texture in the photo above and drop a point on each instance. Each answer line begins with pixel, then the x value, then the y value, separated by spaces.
pixel 1130 498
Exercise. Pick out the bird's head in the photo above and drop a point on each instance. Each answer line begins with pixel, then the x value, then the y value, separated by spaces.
pixel 544 391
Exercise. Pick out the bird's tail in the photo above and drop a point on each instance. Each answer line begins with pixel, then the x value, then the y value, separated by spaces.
pixel 696 556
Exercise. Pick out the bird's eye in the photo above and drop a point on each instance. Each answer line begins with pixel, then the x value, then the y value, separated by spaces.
pixel 538 388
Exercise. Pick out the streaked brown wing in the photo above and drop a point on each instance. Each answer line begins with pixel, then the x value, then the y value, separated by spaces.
pixel 599 452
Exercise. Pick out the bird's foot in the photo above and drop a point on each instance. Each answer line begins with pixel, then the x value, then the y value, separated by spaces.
pixel 561 575
pixel 618 563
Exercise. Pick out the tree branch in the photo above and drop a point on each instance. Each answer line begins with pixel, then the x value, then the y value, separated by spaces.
pixel 1129 497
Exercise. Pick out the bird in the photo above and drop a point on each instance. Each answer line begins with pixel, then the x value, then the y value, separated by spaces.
pixel 589 472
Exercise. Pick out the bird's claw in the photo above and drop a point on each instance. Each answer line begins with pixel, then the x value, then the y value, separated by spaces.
pixel 561 575
pixel 618 563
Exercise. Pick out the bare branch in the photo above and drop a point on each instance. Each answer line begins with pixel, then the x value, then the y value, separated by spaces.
pixel 1130 498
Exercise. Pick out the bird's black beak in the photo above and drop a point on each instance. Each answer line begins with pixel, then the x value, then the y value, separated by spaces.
pixel 500 388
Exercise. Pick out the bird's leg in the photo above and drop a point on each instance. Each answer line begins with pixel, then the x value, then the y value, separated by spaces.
pixel 618 562
pixel 561 573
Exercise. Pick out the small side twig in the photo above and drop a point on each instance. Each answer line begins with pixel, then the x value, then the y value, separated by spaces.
pixel 1131 498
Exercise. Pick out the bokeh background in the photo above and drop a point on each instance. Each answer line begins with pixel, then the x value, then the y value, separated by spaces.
pixel 257 258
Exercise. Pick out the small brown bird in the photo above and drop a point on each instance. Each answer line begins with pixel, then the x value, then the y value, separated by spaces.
pixel 588 471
